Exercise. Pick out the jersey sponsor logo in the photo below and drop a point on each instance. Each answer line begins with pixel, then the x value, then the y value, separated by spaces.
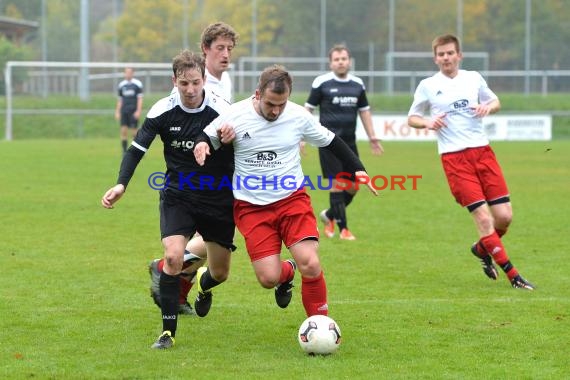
pixel 265 156
pixel 264 159
pixel 246 136
pixel 184 145
pixel 128 92
pixel 345 101
pixel 175 129
pixel 334 90
pixel 462 103
pixel 439 93
pixel 460 107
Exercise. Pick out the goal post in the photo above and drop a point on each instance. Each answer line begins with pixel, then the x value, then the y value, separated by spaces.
pixel 423 61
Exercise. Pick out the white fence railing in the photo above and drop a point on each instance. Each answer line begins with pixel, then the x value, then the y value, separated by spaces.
pixel 76 78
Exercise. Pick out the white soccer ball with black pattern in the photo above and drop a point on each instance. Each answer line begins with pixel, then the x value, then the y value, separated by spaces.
pixel 319 335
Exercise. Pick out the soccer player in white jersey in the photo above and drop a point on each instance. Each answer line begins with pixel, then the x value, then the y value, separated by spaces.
pixel 186 206
pixel 341 98
pixel 452 103
pixel 271 206
pixel 217 43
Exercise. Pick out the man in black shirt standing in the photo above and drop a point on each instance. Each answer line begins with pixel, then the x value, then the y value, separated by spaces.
pixel 129 105
pixel 340 96
pixel 195 198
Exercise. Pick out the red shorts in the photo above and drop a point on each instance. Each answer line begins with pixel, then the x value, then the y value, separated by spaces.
pixel 474 175
pixel 265 227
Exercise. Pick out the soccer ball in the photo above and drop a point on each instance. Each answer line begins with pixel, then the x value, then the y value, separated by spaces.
pixel 319 335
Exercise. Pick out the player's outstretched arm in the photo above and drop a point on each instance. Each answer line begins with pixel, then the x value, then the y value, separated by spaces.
pixel 112 195
pixel 375 145
pixel 363 177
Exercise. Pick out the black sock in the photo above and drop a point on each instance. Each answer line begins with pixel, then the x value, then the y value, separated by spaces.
pixel 347 197
pixel 124 145
pixel 338 209
pixel 206 281
pixel 169 293
pixel 506 267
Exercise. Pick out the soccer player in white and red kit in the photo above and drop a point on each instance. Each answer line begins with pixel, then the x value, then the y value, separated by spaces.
pixel 452 103
pixel 271 207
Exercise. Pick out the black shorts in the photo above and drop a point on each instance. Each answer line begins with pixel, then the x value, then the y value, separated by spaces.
pixel 331 165
pixel 128 119
pixel 182 215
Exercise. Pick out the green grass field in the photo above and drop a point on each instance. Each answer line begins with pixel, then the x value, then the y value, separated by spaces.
pixel 410 299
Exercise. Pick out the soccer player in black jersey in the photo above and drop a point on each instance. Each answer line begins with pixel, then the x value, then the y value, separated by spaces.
pixel 129 105
pixel 340 96
pixel 217 43
pixel 194 198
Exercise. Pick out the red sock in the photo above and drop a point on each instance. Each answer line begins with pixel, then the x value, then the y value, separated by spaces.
pixel 160 265
pixel 480 249
pixel 287 272
pixel 185 286
pixel 494 246
pixel 500 232
pixel 314 295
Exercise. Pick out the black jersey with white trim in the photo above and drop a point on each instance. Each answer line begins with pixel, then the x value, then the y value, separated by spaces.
pixel 178 128
pixel 339 101
pixel 129 91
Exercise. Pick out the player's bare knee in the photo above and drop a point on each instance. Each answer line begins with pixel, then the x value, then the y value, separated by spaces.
pixel 268 282
pixel 503 218
pixel 503 222
pixel 172 261
pixel 310 269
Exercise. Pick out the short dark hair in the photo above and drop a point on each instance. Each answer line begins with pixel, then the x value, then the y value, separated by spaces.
pixel 276 78
pixel 444 40
pixel 338 48
pixel 187 59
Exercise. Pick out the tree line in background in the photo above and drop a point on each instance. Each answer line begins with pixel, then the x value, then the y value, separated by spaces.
pixel 155 30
